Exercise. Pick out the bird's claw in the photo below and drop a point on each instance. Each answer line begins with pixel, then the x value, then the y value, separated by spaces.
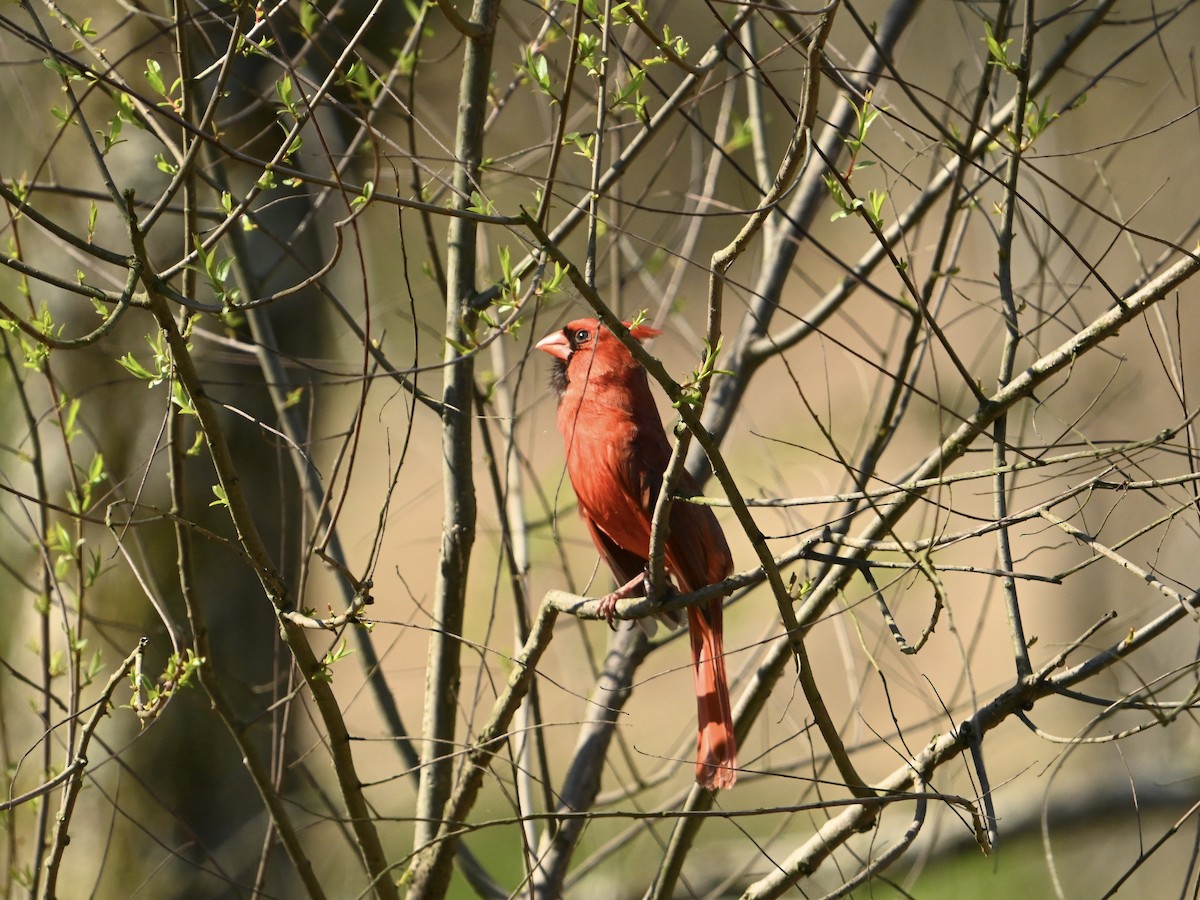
pixel 607 606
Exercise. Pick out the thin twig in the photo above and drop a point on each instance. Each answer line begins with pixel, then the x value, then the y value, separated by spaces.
pixel 75 779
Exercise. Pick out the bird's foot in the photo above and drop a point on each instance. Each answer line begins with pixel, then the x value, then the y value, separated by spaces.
pixel 608 603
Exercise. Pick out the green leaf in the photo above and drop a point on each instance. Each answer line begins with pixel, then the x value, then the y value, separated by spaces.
pixel 94 668
pixel 368 191
pixel 69 423
pixel 584 144
pixel 537 70
pixel 294 147
pixel 362 83
pixel 130 364
pixel 307 18
pixel 998 50
pixel 338 652
pixel 504 255
pixel 741 135
pixel 92 571
pixel 875 201
pixel 589 55
pixel 1037 118
pixel 154 77
pixel 341 651
pixel 59 541
pixel 481 205
pixel 284 89
pixel 63 71
pixel 555 283
pixel 95 473
pixel 179 396
pixel 126 111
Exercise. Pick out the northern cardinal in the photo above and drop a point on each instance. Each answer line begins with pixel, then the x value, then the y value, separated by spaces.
pixel 617 452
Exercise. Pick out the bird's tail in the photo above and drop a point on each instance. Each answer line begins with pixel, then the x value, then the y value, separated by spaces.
pixel 716 748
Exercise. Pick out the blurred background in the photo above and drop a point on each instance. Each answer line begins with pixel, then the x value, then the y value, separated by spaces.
pixel 292 165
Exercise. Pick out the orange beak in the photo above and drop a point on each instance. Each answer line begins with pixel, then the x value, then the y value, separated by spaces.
pixel 556 344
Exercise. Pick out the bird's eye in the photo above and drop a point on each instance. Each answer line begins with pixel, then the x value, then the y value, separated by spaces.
pixel 582 335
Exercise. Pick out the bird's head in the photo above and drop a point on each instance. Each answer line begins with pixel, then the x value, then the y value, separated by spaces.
pixel 592 344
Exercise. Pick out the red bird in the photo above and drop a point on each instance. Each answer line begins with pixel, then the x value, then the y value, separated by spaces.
pixel 617 452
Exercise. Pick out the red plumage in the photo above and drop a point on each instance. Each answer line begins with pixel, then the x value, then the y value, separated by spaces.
pixel 617 452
